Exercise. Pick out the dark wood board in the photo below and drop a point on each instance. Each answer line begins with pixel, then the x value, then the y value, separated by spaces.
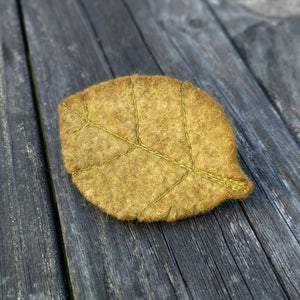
pixel 265 144
pixel 31 264
pixel 128 260
pixel 106 258
pixel 113 10
pixel 275 137
pixel 268 39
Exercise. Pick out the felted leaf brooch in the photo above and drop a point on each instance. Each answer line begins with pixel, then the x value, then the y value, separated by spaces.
pixel 150 148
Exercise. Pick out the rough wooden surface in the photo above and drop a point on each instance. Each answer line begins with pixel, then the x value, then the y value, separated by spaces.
pixel 267 36
pixel 274 160
pixel 31 264
pixel 243 250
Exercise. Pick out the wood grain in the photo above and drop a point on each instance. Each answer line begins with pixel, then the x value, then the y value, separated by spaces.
pixel 93 10
pixel 268 40
pixel 31 265
pixel 107 258
pixel 266 146
pixel 244 251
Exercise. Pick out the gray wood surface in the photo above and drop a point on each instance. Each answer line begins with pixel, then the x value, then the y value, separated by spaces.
pixel 266 146
pixel 31 265
pixel 240 250
pixel 268 39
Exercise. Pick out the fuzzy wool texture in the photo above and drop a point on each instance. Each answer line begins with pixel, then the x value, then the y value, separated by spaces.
pixel 150 148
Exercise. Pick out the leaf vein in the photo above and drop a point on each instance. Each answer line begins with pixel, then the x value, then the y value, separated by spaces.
pixel 162 195
pixel 94 166
pixel 136 115
pixel 185 124
pixel 227 182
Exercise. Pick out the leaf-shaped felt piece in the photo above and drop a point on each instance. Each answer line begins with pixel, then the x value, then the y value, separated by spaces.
pixel 150 148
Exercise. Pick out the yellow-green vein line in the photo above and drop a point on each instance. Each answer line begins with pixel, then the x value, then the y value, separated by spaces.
pixel 185 123
pixel 136 115
pixel 166 192
pixel 231 183
pixel 102 163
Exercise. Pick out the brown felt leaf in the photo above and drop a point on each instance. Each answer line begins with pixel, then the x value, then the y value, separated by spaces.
pixel 150 148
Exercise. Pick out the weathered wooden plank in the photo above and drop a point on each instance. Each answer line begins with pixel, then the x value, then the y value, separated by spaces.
pixel 168 273
pixel 265 144
pixel 31 263
pixel 109 39
pixel 107 258
pixel 267 36
pixel 82 225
